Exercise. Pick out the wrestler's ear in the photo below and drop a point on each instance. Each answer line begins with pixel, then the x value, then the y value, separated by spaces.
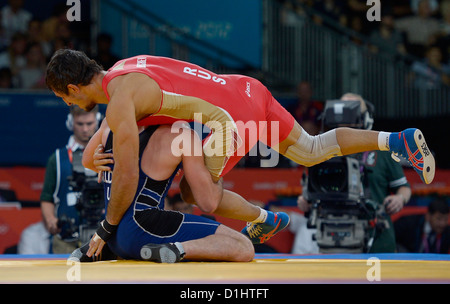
pixel 73 89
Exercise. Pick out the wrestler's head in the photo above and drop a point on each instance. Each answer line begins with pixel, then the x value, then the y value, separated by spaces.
pixel 69 74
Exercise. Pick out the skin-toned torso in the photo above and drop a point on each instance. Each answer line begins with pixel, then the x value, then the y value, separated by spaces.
pixel 141 90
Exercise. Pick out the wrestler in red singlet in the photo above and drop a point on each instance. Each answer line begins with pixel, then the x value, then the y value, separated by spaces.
pixel 188 89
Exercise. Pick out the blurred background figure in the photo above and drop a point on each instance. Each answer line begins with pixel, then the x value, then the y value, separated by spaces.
pixel 32 75
pixel 14 18
pixel 420 29
pixel 14 56
pixel 104 55
pixel 428 233
pixel 306 110
pixel 59 198
pixel 431 72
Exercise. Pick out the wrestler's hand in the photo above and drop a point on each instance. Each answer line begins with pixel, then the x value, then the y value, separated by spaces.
pixel 101 160
pixel 95 245
pixel 104 232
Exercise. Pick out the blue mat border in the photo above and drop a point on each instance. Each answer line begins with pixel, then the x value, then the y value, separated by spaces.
pixel 362 256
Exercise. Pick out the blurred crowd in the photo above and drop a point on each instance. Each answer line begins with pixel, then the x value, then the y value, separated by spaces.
pixel 27 43
pixel 415 30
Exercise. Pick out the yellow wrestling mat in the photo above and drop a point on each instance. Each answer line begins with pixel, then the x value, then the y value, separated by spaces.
pixel 271 269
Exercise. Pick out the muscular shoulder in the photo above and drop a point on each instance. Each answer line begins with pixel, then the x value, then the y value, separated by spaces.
pixel 136 88
pixel 128 81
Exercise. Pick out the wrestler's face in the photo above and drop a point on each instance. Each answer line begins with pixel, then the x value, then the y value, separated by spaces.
pixel 79 96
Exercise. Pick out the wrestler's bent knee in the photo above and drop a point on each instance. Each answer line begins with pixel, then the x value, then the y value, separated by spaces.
pixel 311 150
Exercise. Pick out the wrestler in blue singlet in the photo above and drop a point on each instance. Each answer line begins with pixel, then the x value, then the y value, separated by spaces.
pixel 146 221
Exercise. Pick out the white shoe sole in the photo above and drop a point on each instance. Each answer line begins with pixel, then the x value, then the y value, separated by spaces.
pixel 166 255
pixel 429 165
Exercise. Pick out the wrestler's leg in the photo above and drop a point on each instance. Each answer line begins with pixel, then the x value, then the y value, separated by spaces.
pixel 225 245
pixel 236 207
pixel 337 142
pixel 196 238
pixel 310 150
pixel 355 140
pixel 292 141
pixel 232 204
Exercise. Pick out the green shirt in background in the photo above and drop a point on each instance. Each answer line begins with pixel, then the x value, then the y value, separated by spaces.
pixel 384 176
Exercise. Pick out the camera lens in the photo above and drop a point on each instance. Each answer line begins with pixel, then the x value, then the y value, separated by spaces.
pixel 330 177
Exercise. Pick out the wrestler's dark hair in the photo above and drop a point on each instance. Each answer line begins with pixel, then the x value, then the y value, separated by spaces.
pixel 70 67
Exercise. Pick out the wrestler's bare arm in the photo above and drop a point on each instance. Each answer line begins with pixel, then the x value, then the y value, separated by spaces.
pixel 206 192
pixel 120 116
pixel 132 97
pixel 89 160
pixel 121 119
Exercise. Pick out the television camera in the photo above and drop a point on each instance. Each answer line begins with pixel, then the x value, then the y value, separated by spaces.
pixel 342 211
pixel 89 203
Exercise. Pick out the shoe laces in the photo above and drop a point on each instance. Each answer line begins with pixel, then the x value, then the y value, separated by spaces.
pixel 253 229
pixel 395 157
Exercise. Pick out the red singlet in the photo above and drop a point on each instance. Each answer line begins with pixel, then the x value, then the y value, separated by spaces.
pixel 188 89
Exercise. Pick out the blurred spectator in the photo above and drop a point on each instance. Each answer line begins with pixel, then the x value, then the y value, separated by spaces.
pixel 356 23
pixel 357 7
pixel 420 29
pixel 400 8
pixel 32 76
pixel 431 72
pixel 52 25
pixel 357 12
pixel 4 42
pixel 64 32
pixel 335 10
pixel 290 10
pixel 5 78
pixel 306 111
pixel 13 58
pixel 59 43
pixel 63 38
pixel 387 38
pixel 35 35
pixel 429 233
pixel 443 39
pixel 104 55
pixel 14 18
pixel 445 22
pixel 433 4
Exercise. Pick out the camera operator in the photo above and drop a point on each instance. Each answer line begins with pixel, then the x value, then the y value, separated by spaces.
pixel 58 197
pixel 387 183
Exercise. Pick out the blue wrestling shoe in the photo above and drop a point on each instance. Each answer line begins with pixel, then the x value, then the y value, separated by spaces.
pixel 411 145
pixel 259 233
